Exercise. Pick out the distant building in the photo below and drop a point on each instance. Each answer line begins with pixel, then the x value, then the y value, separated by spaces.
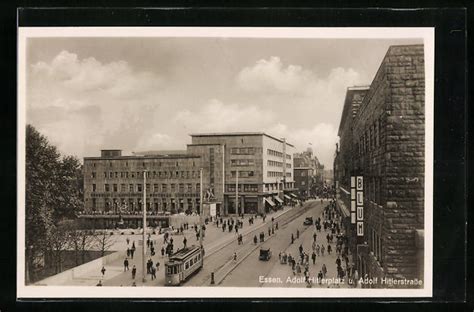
pixel 260 165
pixel 382 138
pixel 309 173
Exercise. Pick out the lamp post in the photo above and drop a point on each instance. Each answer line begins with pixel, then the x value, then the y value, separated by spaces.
pixel 144 226
pixel 200 208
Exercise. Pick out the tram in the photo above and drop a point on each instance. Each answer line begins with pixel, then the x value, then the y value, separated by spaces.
pixel 182 264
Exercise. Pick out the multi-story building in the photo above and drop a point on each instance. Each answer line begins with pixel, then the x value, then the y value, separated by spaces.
pixel 261 166
pixel 382 139
pixel 308 173
pixel 255 168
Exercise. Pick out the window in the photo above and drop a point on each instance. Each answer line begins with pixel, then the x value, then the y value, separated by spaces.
pixel 139 187
pixel 130 188
pixel 115 188
pixel 250 188
pixel 173 187
pixel 303 183
pixel 155 188
pixel 116 175
pixel 94 203
pixel 189 188
pixel 164 188
pixel 111 175
pixel 181 188
pixel 94 188
pixel 148 187
pixel 105 175
pixel 107 189
pixel 93 175
pixel 123 188
pixel 198 187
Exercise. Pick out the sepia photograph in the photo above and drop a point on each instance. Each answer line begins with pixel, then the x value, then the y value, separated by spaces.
pixel 170 162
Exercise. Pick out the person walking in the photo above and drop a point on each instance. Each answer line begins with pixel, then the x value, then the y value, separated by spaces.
pixel 297 234
pixel 329 249
pixel 300 248
pixel 134 271
pixel 313 257
pixel 125 265
pixel 157 265
pixel 153 273
pixel 103 270
pixel 185 242
pixel 322 250
pixel 128 252
pixel 162 251
pixel 235 257
pixel 99 283
pixel 255 239
pixel 324 270
pixel 292 238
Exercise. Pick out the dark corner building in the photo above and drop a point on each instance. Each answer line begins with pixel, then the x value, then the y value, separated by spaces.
pixel 382 139
pixel 252 168
pixel 309 173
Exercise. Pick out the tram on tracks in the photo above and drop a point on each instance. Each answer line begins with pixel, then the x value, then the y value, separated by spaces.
pixel 182 264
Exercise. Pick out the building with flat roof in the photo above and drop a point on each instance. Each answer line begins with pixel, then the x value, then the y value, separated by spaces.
pixel 254 168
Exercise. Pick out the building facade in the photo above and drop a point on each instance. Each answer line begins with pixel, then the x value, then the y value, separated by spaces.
pixel 382 139
pixel 255 168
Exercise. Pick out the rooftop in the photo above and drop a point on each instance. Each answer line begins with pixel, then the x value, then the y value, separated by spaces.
pixel 221 134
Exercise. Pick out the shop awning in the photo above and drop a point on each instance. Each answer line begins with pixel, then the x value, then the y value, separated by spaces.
pixel 293 195
pixel 287 197
pixel 278 199
pixel 270 202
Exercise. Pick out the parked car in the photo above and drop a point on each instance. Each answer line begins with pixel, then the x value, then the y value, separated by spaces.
pixel 308 221
pixel 265 254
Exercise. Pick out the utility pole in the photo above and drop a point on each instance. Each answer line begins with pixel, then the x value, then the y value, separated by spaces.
pixel 237 192
pixel 144 226
pixel 201 208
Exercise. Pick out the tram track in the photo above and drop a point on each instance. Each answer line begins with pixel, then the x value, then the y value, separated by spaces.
pixel 219 261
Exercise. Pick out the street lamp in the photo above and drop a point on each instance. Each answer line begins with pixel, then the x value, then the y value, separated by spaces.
pixel 144 226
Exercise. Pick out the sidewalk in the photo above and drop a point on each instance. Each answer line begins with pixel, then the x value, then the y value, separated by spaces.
pixel 214 240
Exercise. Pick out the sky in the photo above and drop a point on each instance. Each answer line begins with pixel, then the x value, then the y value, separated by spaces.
pixel 140 94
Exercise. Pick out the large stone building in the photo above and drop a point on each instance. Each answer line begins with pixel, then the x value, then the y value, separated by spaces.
pixel 382 138
pixel 260 165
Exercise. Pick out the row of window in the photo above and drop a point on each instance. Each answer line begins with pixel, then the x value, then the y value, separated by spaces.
pixel 277 154
pixel 149 174
pixel 133 205
pixel 242 162
pixel 242 150
pixel 146 164
pixel 157 188
pixel 243 174
pixel 370 139
pixel 273 163
pixel 247 187
pixel 277 186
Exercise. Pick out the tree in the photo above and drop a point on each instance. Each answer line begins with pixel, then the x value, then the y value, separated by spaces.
pixel 52 193
pixel 103 241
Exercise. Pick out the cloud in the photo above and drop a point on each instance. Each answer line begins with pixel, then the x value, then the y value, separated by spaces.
pixel 84 105
pixel 322 137
pixel 215 116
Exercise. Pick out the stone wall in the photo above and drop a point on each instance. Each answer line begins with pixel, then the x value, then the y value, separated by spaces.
pixel 389 147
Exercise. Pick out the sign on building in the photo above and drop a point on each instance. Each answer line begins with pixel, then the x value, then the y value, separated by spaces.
pixel 212 210
pixel 353 200
pixel 360 205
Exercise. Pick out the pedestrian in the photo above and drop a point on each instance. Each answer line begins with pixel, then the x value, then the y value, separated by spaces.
pixel 329 249
pixel 317 250
pixel 162 251
pixel 134 271
pixel 103 271
pixel 322 250
pixel 313 257
pixel 134 284
pixel 320 277
pixel 99 283
pixel 128 240
pixel 292 238
pixel 128 252
pixel 300 248
pixel 255 239
pixel 324 270
pixel 269 232
pixel 314 236
pixel 338 261
pixel 184 242
pixel 153 273
pixel 157 265
pixel 297 234
pixel 235 256
pixel 152 250
pixel 125 265
pixel 276 226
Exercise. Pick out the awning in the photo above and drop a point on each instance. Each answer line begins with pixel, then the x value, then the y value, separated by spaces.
pixel 287 197
pixel 270 202
pixel 293 195
pixel 278 199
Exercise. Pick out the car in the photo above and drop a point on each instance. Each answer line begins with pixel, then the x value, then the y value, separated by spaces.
pixel 265 254
pixel 308 221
